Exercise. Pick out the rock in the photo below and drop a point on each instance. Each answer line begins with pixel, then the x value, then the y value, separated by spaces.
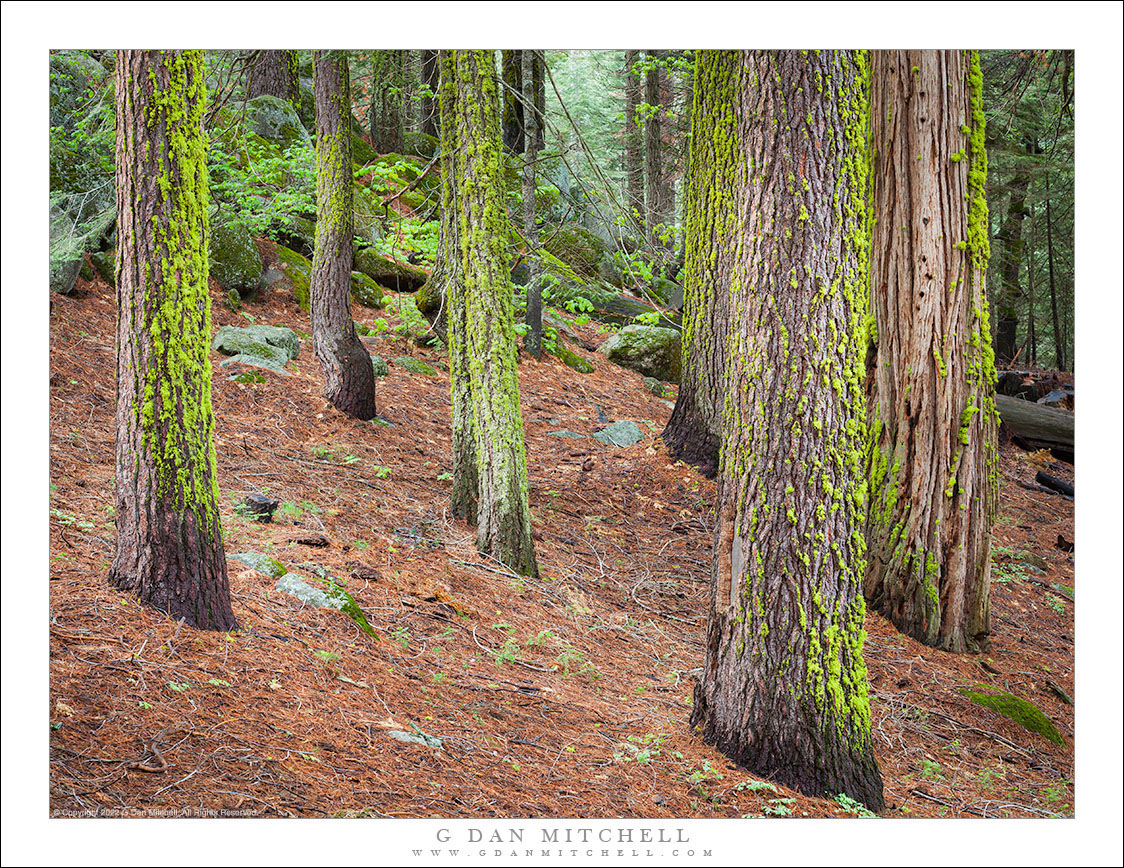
pixel 420 144
pixel 369 214
pixel 260 507
pixel 609 271
pixel 234 258
pixel 652 350
pixel 365 291
pixel 655 387
pixel 1034 560
pixel 577 247
pixel 564 433
pixel 297 233
pixel 277 121
pixel 418 737
pixel 666 292
pixel 331 596
pixel 397 276
pixel 572 359
pixel 362 154
pixel 414 366
pixel 382 369
pixel 263 564
pixel 623 433
pixel 232 340
pixel 63 275
pixel 299 271
pixel 105 264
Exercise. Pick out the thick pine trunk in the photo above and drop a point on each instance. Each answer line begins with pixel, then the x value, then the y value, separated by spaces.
pixel 533 316
pixel 274 73
pixel 633 138
pixel 933 461
pixel 784 687
pixel 485 339
pixel 718 200
pixel 169 538
pixel 349 379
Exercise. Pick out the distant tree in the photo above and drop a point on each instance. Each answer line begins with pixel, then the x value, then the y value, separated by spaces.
pixel 533 317
pixel 349 379
pixel 169 538
pixel 656 195
pixel 718 195
pixel 783 689
pixel 633 139
pixel 513 129
pixel 428 102
pixel 274 73
pixel 386 114
pixel 481 314
pixel 933 476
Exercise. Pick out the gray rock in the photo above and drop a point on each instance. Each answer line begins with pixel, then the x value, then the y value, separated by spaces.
pixel 365 291
pixel 382 369
pixel 291 583
pixel 624 433
pixel 418 737
pixel 564 433
pixel 276 120
pixel 654 386
pixel 232 340
pixel 263 564
pixel 63 275
pixel 234 258
pixel 652 350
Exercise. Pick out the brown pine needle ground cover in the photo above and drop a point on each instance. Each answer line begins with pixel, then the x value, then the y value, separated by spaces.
pixel 567 696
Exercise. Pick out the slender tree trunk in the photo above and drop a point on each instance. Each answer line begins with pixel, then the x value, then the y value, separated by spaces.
pixel 540 99
pixel 533 316
pixel 718 198
pixel 633 138
pixel 274 73
pixel 1010 236
pixel 387 111
pixel 1059 341
pixel 933 464
pixel 1031 332
pixel 513 137
pixel 653 149
pixel 483 337
pixel 429 113
pixel 349 379
pixel 169 538
pixel 783 689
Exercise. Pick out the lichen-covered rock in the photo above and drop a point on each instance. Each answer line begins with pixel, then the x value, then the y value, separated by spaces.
pixel 299 271
pixel 263 564
pixel 380 366
pixel 232 340
pixel 624 433
pixel 63 275
pixel 235 261
pixel 572 359
pixel 365 291
pixel 362 154
pixel 577 247
pixel 420 144
pixel 414 366
pixel 651 350
pixel 666 292
pixel 297 233
pixel 655 387
pixel 331 596
pixel 397 276
pixel 277 121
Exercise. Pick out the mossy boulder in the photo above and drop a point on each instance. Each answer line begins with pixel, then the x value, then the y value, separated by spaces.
pixel 608 305
pixel 81 152
pixel 369 214
pixel 365 291
pixel 667 292
pixel 655 387
pixel 299 271
pixel 235 261
pixel 414 366
pixel 105 265
pixel 297 233
pixel 380 366
pixel 622 434
pixel 260 346
pixel 397 276
pixel 276 121
pixel 577 247
pixel 572 359
pixel 331 596
pixel 651 350
pixel 421 144
pixel 362 154
pixel 260 563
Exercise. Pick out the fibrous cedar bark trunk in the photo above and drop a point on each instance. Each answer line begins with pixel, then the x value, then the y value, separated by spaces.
pixel 513 134
pixel 483 336
pixel 533 316
pixel 933 461
pixel 718 199
pixel 784 688
pixel 349 378
pixel 169 539
pixel 633 138
pixel 274 73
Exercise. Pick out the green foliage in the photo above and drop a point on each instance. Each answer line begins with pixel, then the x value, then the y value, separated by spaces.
pixel 262 186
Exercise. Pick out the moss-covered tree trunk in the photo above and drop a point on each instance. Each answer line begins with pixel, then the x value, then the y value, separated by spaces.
pixel 386 115
pixel 428 101
pixel 169 537
pixel 784 688
pixel 513 132
pixel 633 138
pixel 274 73
pixel 932 414
pixel 719 198
pixel 349 379
pixel 482 338
pixel 533 317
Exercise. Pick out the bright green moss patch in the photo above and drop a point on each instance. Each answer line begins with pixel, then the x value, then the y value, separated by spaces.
pixel 1025 714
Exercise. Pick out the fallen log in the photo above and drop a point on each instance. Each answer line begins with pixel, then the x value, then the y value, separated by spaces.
pixel 1036 426
pixel 1053 483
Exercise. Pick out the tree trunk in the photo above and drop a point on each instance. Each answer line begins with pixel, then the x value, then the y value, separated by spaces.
pixel 169 537
pixel 784 688
pixel 1031 332
pixel 540 99
pixel 429 76
pixel 653 148
pixel 533 317
pixel 274 73
pixel 349 379
pixel 933 468
pixel 633 139
pixel 387 113
pixel 513 137
pixel 1059 341
pixel 717 192
pixel 483 337
pixel 1010 237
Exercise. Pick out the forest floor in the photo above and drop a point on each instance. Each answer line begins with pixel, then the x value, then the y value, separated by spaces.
pixel 566 696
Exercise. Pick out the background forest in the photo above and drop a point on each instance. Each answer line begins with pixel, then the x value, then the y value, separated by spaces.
pixel 444 682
